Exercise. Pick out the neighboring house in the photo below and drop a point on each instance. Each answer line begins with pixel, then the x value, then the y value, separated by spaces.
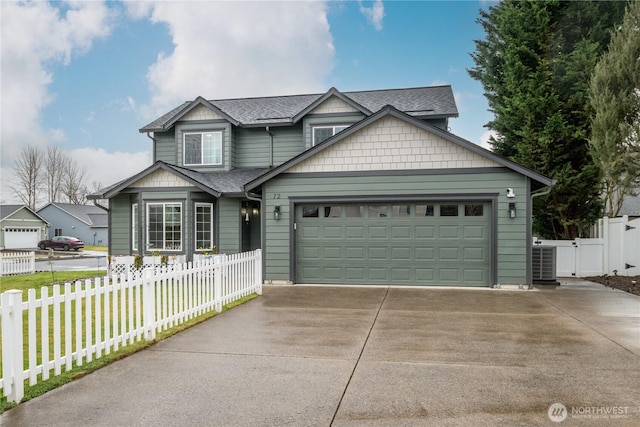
pixel 20 227
pixel 85 222
pixel 342 187
pixel 631 205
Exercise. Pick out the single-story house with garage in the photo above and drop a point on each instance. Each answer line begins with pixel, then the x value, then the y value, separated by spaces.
pixel 89 223
pixel 364 187
pixel 21 227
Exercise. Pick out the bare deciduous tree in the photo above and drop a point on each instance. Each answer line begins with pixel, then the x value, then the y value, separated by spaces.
pixel 55 164
pixel 50 174
pixel 28 172
pixel 74 187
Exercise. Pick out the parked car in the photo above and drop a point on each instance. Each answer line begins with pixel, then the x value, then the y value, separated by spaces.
pixel 62 242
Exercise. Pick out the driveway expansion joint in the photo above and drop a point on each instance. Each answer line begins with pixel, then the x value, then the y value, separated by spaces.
pixel 355 366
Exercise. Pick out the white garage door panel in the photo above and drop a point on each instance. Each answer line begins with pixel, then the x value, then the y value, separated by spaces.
pixel 21 238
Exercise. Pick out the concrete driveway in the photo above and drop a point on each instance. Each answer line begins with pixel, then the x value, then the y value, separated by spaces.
pixel 353 356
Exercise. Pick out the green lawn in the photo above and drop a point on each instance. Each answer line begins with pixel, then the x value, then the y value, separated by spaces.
pixel 37 281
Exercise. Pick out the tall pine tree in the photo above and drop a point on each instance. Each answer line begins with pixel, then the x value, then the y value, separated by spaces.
pixel 615 97
pixel 534 65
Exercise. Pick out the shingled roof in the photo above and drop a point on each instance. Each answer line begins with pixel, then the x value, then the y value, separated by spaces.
pixel 216 183
pixel 91 215
pixel 431 101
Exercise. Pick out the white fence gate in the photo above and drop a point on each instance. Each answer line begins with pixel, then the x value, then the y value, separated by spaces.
pixel 90 319
pixel 614 250
pixel 17 263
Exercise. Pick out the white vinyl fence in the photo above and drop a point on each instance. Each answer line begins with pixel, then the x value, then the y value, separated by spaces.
pixel 126 264
pixel 614 250
pixel 17 263
pixel 89 319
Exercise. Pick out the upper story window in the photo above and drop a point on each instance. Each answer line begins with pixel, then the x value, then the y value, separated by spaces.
pixel 203 148
pixel 321 133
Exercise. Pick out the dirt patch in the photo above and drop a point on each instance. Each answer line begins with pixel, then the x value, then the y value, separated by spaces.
pixel 629 284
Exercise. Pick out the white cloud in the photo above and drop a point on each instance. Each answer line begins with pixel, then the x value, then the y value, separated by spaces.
pixel 374 14
pixel 237 49
pixel 35 36
pixel 484 139
pixel 109 168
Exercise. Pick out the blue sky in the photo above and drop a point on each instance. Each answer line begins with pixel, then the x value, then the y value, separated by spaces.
pixel 87 75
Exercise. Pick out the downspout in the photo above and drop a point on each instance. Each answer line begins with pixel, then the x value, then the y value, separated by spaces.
pixel 542 192
pixel 270 147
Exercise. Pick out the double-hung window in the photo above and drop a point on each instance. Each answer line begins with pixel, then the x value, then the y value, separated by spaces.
pixel 203 148
pixel 204 226
pixel 164 226
pixel 321 133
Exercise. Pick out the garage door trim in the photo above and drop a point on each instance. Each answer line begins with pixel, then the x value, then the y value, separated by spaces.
pixel 491 198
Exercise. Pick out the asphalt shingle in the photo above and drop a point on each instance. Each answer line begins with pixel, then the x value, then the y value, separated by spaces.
pixel 420 101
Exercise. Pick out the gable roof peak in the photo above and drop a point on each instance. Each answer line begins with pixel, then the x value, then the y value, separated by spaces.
pixel 423 102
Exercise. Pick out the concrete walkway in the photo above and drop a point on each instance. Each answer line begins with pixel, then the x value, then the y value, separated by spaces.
pixel 353 356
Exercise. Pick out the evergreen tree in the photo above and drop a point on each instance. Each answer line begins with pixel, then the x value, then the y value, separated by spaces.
pixel 615 97
pixel 535 65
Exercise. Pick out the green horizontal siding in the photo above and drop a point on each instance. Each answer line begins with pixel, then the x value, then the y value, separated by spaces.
pixel 120 227
pixel 252 146
pixel 165 146
pixel 511 233
pixel 229 225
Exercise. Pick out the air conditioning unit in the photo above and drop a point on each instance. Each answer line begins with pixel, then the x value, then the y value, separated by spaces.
pixel 544 264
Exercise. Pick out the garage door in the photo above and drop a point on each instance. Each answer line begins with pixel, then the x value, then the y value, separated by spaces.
pixel 21 238
pixel 413 243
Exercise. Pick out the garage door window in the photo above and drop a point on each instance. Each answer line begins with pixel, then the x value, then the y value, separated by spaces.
pixel 448 210
pixel 355 211
pixel 378 211
pixel 400 210
pixel 424 210
pixel 310 212
pixel 332 211
pixel 473 210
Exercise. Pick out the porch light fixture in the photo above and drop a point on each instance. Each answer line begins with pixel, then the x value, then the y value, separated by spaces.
pixel 276 213
pixel 512 210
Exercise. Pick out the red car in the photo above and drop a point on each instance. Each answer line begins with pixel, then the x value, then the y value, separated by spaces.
pixel 62 242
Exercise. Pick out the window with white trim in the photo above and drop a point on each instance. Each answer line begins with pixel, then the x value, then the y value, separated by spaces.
pixel 202 148
pixel 204 226
pixel 164 226
pixel 322 133
pixel 134 226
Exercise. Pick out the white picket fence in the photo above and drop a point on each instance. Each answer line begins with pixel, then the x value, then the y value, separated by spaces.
pixel 614 250
pixel 125 264
pixel 17 263
pixel 91 319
